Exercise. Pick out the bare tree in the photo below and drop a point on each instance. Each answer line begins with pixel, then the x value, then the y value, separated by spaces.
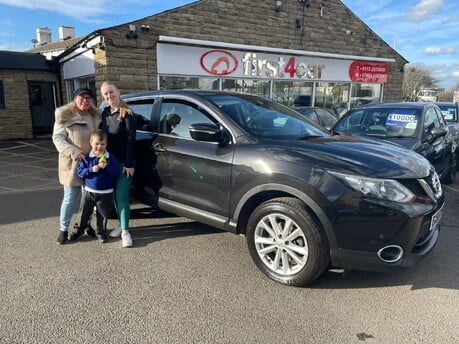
pixel 448 96
pixel 417 77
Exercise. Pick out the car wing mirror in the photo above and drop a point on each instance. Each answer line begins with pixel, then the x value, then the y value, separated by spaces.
pixel 208 132
pixel 433 134
pixel 438 132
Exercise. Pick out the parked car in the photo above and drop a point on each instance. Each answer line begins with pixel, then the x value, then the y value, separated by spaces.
pixel 450 112
pixel 306 200
pixel 415 125
pixel 325 117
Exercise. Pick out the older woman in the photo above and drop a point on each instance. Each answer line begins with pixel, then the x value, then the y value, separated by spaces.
pixel 73 125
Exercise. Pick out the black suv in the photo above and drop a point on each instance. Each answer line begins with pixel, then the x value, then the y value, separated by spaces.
pixel 306 200
pixel 419 126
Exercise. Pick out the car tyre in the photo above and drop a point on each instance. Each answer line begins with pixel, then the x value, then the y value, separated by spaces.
pixel 286 243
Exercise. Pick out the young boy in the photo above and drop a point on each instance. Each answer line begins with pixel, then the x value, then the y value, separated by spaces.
pixel 99 171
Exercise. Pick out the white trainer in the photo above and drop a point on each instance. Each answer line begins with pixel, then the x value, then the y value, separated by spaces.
pixel 115 233
pixel 126 240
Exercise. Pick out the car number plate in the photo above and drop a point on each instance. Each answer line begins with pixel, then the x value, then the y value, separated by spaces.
pixel 436 218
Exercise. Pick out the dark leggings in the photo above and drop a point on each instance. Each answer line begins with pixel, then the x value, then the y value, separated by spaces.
pixel 103 203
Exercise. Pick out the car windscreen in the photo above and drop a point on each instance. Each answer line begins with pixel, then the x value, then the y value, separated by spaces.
pixel 266 118
pixel 381 122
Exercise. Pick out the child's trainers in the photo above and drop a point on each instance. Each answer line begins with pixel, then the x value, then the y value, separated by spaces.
pixel 102 237
pixel 126 240
pixel 90 232
pixel 77 232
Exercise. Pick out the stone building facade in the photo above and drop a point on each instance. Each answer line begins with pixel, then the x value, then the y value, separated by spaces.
pixel 314 26
pixel 129 54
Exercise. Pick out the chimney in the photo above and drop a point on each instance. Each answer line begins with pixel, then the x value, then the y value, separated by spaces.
pixel 66 32
pixel 43 35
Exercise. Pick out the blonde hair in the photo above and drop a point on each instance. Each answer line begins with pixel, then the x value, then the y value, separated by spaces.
pixel 123 107
pixel 98 134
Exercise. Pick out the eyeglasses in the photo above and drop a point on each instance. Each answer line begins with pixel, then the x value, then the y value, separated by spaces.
pixel 86 98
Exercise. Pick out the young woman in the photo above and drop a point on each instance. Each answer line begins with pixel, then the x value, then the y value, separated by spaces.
pixel 119 122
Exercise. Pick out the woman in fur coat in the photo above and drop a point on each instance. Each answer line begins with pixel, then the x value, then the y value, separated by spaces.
pixel 73 125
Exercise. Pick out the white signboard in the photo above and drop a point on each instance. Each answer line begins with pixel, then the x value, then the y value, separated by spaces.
pixel 219 62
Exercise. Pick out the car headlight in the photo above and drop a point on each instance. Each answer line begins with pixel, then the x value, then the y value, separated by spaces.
pixel 387 189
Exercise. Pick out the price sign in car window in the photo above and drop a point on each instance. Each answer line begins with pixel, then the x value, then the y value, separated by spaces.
pixel 402 119
pixel 448 114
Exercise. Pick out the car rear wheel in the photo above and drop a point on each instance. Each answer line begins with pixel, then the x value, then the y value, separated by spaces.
pixel 286 243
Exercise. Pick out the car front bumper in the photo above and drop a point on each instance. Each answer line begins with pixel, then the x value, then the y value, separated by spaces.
pixel 387 243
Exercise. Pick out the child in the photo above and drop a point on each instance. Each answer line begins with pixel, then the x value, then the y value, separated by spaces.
pixel 99 171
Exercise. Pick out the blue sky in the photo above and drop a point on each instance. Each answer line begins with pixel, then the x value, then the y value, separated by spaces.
pixel 423 31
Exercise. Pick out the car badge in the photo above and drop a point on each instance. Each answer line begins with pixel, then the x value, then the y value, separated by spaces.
pixel 436 185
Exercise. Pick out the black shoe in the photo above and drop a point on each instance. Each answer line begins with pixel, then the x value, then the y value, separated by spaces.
pixel 62 238
pixel 90 232
pixel 102 237
pixel 77 232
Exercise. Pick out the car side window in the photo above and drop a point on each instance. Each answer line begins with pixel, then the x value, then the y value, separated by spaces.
pixel 355 119
pixel 143 109
pixel 431 121
pixel 177 116
pixel 440 117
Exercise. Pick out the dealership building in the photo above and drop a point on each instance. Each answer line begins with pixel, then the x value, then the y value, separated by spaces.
pixel 297 52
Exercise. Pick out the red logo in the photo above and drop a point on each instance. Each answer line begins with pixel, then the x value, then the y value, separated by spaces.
pixel 219 62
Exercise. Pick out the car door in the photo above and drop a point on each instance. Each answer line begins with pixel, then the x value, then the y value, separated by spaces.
pixel 192 173
pixel 435 149
pixel 145 182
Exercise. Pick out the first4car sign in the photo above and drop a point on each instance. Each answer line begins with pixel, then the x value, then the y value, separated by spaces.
pixel 203 61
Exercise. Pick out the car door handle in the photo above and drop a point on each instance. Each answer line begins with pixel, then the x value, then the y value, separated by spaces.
pixel 159 148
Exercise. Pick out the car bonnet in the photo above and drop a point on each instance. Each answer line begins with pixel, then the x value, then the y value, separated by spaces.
pixel 348 154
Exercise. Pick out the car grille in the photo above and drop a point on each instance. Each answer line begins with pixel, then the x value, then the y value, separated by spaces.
pixel 425 187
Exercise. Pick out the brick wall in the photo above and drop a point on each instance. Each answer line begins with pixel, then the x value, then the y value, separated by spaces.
pixel 329 27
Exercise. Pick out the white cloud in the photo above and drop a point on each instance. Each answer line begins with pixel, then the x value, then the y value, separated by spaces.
pixel 433 50
pixel 83 9
pixel 425 9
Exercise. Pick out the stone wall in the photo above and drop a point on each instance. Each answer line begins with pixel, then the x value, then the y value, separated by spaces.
pixel 16 118
pixel 328 26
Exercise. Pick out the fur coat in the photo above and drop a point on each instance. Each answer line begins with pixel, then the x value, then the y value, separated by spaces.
pixel 71 136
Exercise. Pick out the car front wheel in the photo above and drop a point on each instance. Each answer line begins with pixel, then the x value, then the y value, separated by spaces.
pixel 286 243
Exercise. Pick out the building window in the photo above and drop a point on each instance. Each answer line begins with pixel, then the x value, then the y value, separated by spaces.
pixel 2 96
pixel 333 96
pixel 74 84
pixel 364 94
pixel 290 93
pixel 181 82
pixel 259 87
